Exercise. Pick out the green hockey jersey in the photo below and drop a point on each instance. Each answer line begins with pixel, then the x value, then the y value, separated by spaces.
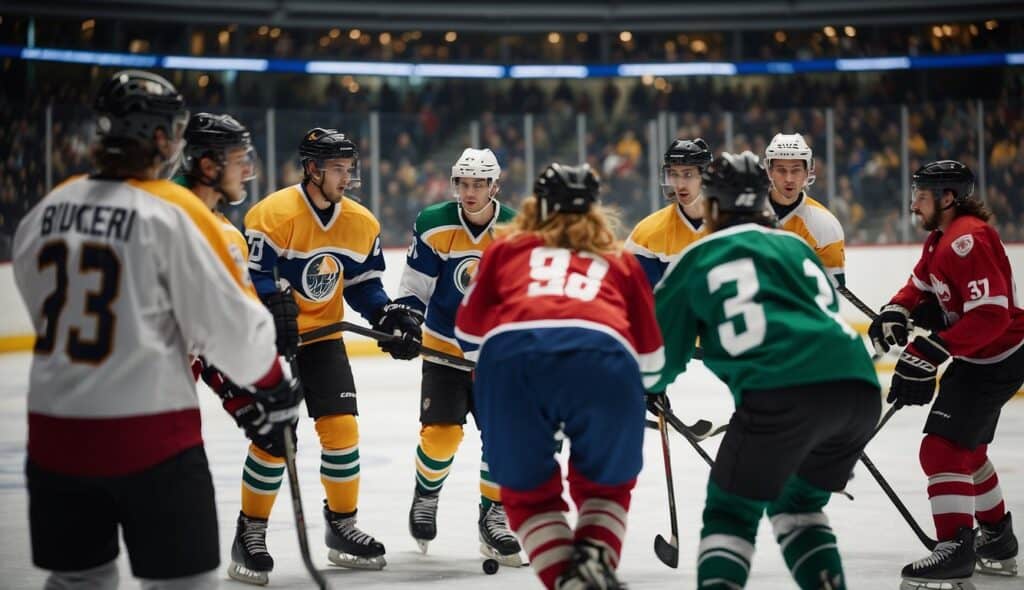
pixel 764 309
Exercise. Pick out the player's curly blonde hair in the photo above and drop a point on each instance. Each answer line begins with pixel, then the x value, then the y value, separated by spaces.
pixel 593 231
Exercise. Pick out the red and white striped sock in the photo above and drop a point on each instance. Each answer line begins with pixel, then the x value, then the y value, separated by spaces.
pixel 603 512
pixel 989 507
pixel 950 485
pixel 537 517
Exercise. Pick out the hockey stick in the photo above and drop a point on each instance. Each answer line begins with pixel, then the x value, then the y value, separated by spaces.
pixel 430 354
pixel 300 519
pixel 927 541
pixel 293 485
pixel 856 301
pixel 668 551
pixel 700 430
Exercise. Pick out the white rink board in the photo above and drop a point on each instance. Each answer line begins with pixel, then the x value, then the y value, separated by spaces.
pixel 874 540
pixel 874 273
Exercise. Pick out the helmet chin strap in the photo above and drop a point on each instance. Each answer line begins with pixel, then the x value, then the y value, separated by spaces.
pixel 694 201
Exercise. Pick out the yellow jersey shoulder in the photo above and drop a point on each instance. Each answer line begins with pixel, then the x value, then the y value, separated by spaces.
pixel 815 223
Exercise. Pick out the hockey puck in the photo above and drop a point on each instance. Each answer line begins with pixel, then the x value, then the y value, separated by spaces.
pixel 490 566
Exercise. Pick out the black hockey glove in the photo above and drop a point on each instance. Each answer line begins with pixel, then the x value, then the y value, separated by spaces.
pixel 286 320
pixel 404 321
pixel 889 328
pixel 914 381
pixel 929 315
pixel 657 403
pixel 263 421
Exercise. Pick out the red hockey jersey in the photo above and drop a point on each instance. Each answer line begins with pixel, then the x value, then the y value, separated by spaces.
pixel 967 269
pixel 521 284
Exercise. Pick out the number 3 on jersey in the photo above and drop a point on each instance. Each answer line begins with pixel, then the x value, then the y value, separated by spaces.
pixel 744 274
pixel 549 271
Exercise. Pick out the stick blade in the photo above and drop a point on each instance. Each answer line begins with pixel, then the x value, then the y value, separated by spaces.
pixel 667 552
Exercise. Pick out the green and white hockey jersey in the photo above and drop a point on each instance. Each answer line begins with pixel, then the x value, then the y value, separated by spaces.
pixel 764 309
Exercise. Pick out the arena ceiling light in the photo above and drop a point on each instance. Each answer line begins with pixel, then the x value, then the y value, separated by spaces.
pixel 873 64
pixel 366 68
pixel 553 71
pixel 181 62
pixel 679 69
pixel 458 71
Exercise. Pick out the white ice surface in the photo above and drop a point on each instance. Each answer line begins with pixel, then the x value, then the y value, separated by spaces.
pixel 874 540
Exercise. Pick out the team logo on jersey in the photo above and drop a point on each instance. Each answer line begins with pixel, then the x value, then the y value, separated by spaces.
pixel 320 276
pixel 464 273
pixel 962 245
pixel 941 289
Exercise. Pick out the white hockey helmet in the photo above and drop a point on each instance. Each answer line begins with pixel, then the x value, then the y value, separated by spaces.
pixel 790 147
pixel 474 163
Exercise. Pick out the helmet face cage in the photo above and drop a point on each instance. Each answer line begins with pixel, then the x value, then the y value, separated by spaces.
pixel 791 147
pixel 320 145
pixel 565 189
pixel 945 175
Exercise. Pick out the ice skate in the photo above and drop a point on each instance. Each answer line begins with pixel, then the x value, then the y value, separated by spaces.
pixel 949 567
pixel 423 518
pixel 349 546
pixel 996 548
pixel 496 540
pixel 589 570
pixel 250 560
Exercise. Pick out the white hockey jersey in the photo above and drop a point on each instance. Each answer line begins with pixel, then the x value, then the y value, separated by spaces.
pixel 123 279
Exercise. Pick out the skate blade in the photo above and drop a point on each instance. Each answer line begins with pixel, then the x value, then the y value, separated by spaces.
pixel 511 560
pixel 925 584
pixel 423 545
pixel 239 572
pixel 997 567
pixel 356 563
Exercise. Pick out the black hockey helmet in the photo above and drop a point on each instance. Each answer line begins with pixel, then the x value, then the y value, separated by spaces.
pixel 739 186
pixel 132 104
pixel 946 175
pixel 565 189
pixel 688 152
pixel 211 136
pixel 319 144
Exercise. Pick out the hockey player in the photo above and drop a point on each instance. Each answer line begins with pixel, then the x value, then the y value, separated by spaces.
pixel 659 238
pixel 448 240
pixel 965 266
pixel 324 245
pixel 564 323
pixel 108 267
pixel 790 164
pixel 806 393
pixel 218 160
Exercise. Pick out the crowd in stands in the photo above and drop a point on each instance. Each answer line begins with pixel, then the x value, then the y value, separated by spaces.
pixel 335 42
pixel 423 129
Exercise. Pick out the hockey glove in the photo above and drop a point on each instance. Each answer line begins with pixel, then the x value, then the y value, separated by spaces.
pixel 404 321
pixel 262 421
pixel 657 403
pixel 286 320
pixel 914 381
pixel 928 314
pixel 889 328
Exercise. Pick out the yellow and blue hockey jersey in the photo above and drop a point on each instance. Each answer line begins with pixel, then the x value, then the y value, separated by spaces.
pixel 810 220
pixel 440 263
pixel 321 261
pixel 660 237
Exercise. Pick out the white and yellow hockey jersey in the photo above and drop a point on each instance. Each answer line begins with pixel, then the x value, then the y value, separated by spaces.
pixel 660 237
pixel 122 280
pixel 810 220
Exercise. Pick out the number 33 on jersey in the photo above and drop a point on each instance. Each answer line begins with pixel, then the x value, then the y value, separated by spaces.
pixel 523 285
